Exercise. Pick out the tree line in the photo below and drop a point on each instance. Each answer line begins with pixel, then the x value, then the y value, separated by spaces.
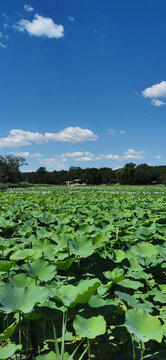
pixel 130 174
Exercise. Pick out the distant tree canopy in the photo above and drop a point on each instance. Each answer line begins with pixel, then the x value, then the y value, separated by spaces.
pixel 10 168
pixel 130 174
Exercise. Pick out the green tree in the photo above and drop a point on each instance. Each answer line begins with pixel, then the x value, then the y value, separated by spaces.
pixel 10 168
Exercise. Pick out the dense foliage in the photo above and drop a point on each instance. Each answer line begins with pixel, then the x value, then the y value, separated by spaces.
pixel 82 276
pixel 129 175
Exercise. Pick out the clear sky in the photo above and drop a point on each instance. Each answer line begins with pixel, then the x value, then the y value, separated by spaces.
pixel 83 82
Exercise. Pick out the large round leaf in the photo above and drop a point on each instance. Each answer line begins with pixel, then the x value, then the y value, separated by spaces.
pixel 144 249
pixel 145 326
pixel 89 328
pixel 81 246
pixel 40 269
pixel 8 350
pixel 15 299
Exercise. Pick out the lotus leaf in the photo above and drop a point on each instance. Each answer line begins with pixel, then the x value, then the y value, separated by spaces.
pixel 15 299
pixel 9 350
pixel 145 326
pixel 40 269
pixel 89 328
pixel 144 249
pixel 81 246
pixel 8 332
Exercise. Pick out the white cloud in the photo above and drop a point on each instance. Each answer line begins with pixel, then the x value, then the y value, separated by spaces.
pixel 2 45
pixel 157 102
pixel 18 137
pixel 70 18
pixel 158 157
pixel 1 35
pixel 28 8
pixel 72 135
pixel 87 156
pixel 128 154
pixel 74 154
pixel 132 154
pixel 40 26
pixel 108 157
pixel 60 161
pixel 156 91
pixel 27 154
pixel 54 163
pixel 122 131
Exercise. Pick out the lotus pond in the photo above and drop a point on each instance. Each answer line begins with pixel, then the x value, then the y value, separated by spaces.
pixel 82 276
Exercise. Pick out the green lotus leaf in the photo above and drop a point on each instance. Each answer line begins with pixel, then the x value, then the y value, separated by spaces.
pixel 71 295
pixel 145 326
pixel 8 332
pixel 120 255
pixel 40 269
pixel 145 232
pixel 81 246
pixel 131 284
pixel 47 218
pixel 9 350
pixel 163 288
pixel 25 254
pixel 162 251
pixel 50 356
pixel 66 293
pixel 6 265
pixel 132 301
pixel 22 280
pixel 115 276
pixel 86 288
pixel 24 230
pixel 15 299
pixel 6 224
pixel 99 240
pixel 42 244
pixel 96 301
pixel 144 249
pixel 64 264
pixel 42 233
pixel 160 297
pixel 89 327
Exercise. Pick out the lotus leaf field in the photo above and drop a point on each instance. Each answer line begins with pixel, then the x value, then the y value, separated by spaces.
pixel 82 276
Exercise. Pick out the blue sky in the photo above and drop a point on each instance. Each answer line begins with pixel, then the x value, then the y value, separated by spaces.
pixel 82 83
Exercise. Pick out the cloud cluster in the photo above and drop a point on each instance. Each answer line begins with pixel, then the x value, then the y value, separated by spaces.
pixel 70 18
pixel 27 154
pixel 132 154
pixel 18 137
pixel 59 161
pixel 129 154
pixel 40 26
pixel 72 135
pixel 156 92
pixel 28 8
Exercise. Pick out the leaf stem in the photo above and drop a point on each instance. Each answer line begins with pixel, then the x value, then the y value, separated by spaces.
pixel 55 342
pixel 132 340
